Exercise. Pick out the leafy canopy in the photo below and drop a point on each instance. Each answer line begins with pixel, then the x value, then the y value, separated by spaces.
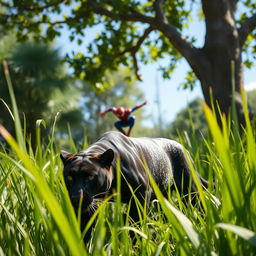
pixel 117 43
pixel 125 30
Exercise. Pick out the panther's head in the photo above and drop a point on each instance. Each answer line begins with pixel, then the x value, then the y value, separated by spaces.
pixel 87 178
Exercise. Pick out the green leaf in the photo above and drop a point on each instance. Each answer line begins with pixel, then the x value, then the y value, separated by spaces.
pixel 185 223
pixel 242 232
pixel 135 230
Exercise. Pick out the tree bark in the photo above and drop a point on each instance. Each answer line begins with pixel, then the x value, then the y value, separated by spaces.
pixel 221 49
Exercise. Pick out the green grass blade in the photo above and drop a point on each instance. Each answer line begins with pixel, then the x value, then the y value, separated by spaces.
pixel 242 232
pixel 46 194
pixel 7 107
pixel 173 215
pixel 135 230
pixel 231 177
pixel 17 124
pixel 186 224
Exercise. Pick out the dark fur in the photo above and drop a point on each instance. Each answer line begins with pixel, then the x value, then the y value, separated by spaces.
pixel 165 160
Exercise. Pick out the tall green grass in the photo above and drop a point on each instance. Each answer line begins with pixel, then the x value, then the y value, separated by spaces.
pixel 36 217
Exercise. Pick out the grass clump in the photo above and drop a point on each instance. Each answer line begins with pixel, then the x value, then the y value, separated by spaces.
pixel 36 217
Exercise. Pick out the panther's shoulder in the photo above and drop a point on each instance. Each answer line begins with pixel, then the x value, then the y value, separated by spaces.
pixel 120 141
pixel 112 134
pixel 115 137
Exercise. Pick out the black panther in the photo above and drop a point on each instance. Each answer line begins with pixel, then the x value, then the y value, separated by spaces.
pixel 91 173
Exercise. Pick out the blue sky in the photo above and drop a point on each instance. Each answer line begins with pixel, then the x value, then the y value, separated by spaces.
pixel 172 98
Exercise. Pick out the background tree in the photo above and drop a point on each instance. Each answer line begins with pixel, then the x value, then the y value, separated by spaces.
pixel 142 30
pixel 191 119
pixel 40 84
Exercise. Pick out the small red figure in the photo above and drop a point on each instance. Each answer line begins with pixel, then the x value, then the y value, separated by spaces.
pixel 125 117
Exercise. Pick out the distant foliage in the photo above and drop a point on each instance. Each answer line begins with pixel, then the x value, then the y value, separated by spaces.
pixel 191 119
pixel 41 86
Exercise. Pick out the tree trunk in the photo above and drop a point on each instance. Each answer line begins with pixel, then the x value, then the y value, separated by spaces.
pixel 212 64
pixel 221 49
pixel 218 82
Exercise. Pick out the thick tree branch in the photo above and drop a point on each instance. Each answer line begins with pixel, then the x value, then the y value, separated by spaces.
pixel 183 45
pixel 131 16
pixel 160 16
pixel 159 22
pixel 195 57
pixel 246 28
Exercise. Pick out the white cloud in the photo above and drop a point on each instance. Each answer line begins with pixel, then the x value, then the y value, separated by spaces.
pixel 251 86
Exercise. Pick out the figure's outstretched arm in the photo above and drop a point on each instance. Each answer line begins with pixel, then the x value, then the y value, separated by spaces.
pixel 139 106
pixel 102 113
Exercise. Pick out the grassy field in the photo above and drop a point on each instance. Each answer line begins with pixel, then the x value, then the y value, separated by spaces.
pixel 36 217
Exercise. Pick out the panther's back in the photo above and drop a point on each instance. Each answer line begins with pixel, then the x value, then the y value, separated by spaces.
pixel 158 154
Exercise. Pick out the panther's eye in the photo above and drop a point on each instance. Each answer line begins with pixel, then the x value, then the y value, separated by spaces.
pixel 69 178
pixel 91 177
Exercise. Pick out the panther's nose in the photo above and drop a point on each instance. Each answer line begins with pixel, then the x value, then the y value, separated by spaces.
pixel 78 196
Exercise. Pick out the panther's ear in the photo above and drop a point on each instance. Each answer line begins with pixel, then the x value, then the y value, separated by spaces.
pixel 106 158
pixel 65 156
